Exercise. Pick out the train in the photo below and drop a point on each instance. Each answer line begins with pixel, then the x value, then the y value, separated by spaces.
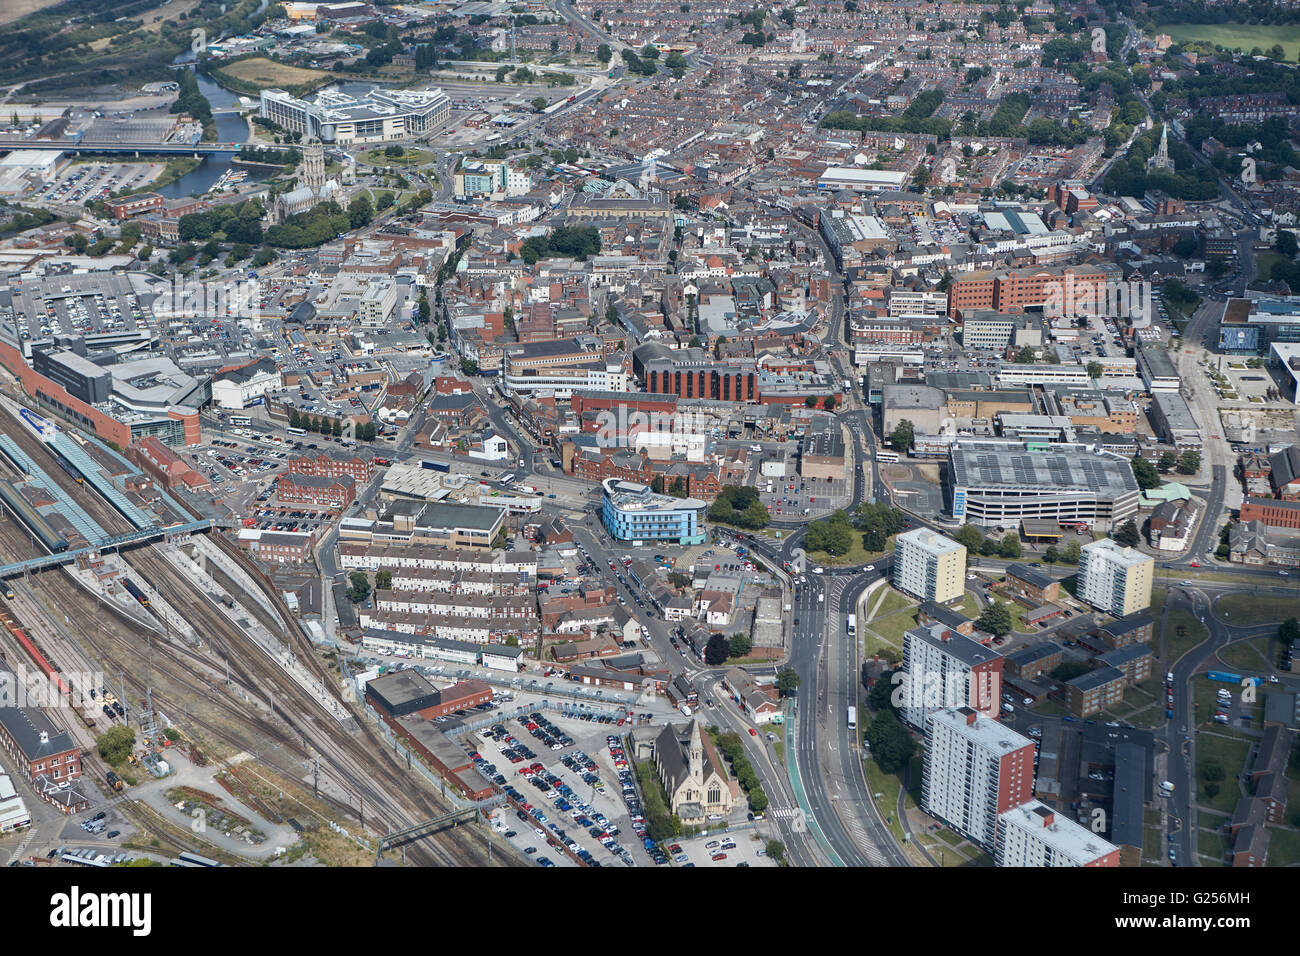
pixel 435 465
pixel 135 592
pixel 193 859
pixel 42 663
pixel 73 472
pixel 35 522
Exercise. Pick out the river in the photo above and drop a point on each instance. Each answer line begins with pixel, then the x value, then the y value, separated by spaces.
pixel 231 128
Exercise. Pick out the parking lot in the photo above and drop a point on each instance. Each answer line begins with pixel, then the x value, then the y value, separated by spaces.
pixel 86 182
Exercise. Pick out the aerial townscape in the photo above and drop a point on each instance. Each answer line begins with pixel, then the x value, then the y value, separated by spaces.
pixel 565 434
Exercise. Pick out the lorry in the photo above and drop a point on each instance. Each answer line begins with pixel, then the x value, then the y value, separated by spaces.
pixel 1166 788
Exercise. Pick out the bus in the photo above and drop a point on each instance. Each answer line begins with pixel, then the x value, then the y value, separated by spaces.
pixel 295 431
pixel 240 420
pixel 888 457
pixel 853 718
pixel 853 624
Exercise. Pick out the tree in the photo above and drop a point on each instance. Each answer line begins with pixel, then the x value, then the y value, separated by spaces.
pixel 1010 546
pixel 1189 463
pixel 970 536
pixel 336 427
pixel 890 743
pixel 776 850
pixel 995 619
pixel 1127 534
pixel 115 745
pixel 882 692
pixel 538 103
pixel 469 367
pixel 901 437
pixel 787 681
pixel 383 580
pixel 716 651
pixel 1026 355
pixel 603 52
pixel 1094 370
pixel 1070 554
pixel 1168 461
pixel 1289 630
pixel 358 587
pixel 1145 473
pixel 1051 555
pixel 295 419
pixel 1285 243
pixel 740 645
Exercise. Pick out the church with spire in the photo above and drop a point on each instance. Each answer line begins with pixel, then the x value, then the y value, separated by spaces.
pixel 693 774
pixel 1161 159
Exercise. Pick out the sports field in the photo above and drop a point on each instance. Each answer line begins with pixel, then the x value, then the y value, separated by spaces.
pixel 1238 36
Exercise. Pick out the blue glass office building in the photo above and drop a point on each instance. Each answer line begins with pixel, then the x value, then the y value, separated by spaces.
pixel 633 512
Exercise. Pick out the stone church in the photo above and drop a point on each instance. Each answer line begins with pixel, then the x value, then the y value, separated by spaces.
pixel 313 188
pixel 693 774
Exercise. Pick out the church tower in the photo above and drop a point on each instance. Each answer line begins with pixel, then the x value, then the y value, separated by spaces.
pixel 312 172
pixel 695 756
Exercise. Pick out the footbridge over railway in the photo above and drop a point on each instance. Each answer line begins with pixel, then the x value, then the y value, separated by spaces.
pixel 131 538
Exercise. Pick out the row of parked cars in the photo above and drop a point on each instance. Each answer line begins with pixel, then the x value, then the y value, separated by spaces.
pixel 546 732
pixel 631 797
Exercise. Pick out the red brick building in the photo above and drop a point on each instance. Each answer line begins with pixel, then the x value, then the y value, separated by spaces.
pixel 136 205
pixel 39 748
pixel 168 469
pixel 1274 513
pixel 333 464
pixel 333 493
pixel 1019 289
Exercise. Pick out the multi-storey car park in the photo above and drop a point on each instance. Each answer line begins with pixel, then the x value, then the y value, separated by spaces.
pixel 999 483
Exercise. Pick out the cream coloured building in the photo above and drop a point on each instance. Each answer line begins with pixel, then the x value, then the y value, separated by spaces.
pixel 929 566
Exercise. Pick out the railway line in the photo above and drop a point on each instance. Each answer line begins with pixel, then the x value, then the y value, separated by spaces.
pixel 358 765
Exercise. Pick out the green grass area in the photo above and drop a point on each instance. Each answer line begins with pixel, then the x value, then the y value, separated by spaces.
pixel 891 602
pixel 656 801
pixel 871 644
pixel 856 555
pixel 1183 631
pixel 1211 847
pixel 893 628
pixel 1248 610
pixel 1050 708
pixel 1152 843
pixel 1237 36
pixel 409 157
pixel 1249 655
pixel 888 786
pixel 967 605
pixel 1283 847
pixel 1229 753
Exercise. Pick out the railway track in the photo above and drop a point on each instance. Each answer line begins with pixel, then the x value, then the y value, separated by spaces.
pixel 359 765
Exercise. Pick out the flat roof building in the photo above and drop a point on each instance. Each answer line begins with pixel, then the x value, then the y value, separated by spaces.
pixel 1002 483
pixel 975 769
pixel 633 512
pixel 1114 578
pixel 929 566
pixel 1035 835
